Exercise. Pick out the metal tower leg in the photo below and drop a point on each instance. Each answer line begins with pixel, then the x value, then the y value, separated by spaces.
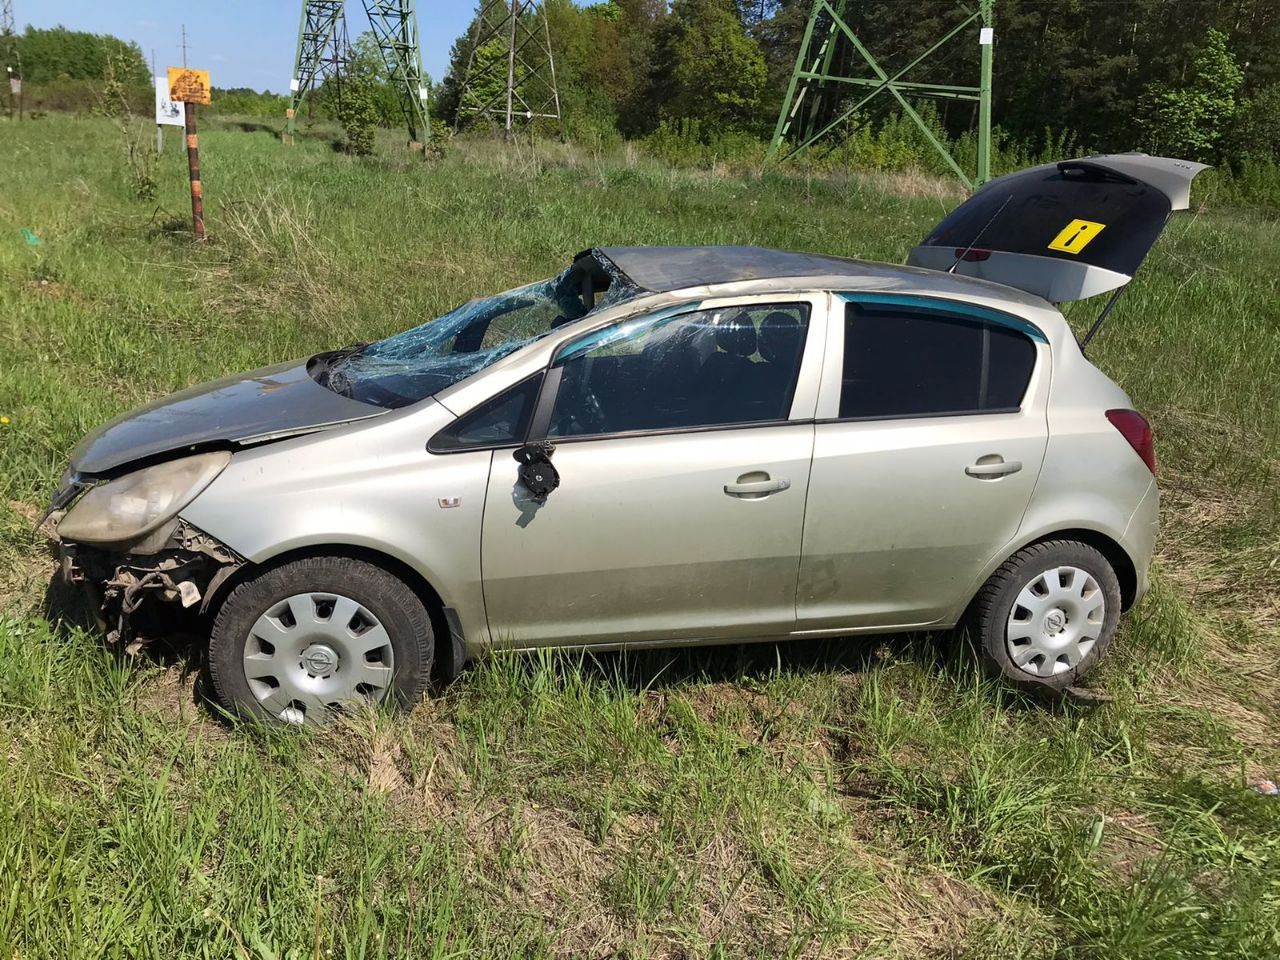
pixel 801 119
pixel 987 40
pixel 322 54
pixel 9 53
pixel 395 25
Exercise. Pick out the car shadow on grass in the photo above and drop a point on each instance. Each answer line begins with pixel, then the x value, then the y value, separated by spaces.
pixel 948 656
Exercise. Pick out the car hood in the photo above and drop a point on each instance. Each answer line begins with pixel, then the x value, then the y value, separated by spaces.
pixel 250 407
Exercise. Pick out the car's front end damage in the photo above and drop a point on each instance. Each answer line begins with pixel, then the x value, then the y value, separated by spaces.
pixel 142 568
pixel 115 514
pixel 141 592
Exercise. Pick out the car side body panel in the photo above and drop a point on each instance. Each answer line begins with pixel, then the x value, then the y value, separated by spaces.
pixel 642 542
pixel 372 486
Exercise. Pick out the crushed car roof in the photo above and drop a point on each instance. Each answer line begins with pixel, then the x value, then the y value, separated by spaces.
pixel 664 269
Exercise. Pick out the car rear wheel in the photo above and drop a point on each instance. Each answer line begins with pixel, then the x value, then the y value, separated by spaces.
pixel 304 640
pixel 1047 616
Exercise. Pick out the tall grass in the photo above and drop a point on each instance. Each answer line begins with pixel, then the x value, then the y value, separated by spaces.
pixel 814 799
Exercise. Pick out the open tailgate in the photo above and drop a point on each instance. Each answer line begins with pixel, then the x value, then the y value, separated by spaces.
pixel 1062 231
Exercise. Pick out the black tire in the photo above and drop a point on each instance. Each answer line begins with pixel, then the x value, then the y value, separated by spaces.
pixel 988 616
pixel 396 608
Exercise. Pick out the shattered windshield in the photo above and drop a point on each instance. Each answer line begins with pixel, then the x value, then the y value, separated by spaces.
pixel 417 363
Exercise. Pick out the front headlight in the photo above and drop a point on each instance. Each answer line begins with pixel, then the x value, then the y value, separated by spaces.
pixel 139 502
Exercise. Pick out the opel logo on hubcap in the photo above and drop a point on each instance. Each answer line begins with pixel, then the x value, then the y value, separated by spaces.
pixel 1055 621
pixel 319 661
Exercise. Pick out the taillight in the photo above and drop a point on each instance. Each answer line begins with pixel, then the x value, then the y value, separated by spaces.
pixel 1133 427
pixel 972 255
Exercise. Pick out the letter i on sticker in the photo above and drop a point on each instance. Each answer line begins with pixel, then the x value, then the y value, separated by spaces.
pixel 1076 235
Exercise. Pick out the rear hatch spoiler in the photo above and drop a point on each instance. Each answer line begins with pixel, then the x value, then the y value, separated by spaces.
pixel 1062 231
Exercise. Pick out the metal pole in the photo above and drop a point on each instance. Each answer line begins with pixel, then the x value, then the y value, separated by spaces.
pixel 511 63
pixel 295 90
pixel 986 39
pixel 551 62
pixel 159 127
pixel 193 165
pixel 789 104
pixel 411 35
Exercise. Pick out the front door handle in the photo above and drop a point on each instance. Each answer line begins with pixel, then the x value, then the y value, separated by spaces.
pixel 989 471
pixel 757 488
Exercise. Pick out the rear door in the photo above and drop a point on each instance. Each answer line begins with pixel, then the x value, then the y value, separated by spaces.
pixel 930 437
pixel 683 443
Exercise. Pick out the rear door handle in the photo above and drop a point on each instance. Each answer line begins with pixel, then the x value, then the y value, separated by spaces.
pixel 756 487
pixel 1000 468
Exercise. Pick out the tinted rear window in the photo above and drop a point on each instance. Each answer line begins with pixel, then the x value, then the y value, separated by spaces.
pixel 906 362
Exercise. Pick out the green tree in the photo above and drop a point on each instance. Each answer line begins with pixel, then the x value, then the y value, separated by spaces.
pixel 706 67
pixel 1193 119
pixel 358 114
pixel 62 54
pixel 1257 132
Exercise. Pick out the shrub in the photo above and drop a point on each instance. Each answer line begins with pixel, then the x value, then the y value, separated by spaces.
pixel 358 114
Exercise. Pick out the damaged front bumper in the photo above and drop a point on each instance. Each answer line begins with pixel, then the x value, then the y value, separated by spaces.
pixel 139 591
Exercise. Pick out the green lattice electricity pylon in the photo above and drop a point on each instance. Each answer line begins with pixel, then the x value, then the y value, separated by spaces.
pixel 323 53
pixel 511 73
pixel 396 27
pixel 817 102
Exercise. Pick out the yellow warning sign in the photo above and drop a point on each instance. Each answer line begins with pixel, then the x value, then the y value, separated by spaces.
pixel 189 86
pixel 1076 235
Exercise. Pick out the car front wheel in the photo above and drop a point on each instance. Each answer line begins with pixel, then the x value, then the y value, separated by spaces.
pixel 301 641
pixel 1047 615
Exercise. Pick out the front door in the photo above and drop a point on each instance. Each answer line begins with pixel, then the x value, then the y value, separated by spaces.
pixel 924 470
pixel 683 467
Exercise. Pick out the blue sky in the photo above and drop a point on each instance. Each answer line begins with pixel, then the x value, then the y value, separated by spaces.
pixel 243 43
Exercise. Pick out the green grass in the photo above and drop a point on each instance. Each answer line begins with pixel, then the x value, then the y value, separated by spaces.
pixel 812 799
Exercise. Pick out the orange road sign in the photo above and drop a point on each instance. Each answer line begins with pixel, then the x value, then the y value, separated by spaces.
pixel 189 86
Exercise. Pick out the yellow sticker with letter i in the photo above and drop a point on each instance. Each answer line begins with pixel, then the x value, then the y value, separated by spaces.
pixel 1076 235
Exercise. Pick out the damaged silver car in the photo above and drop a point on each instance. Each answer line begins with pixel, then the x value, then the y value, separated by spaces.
pixel 660 446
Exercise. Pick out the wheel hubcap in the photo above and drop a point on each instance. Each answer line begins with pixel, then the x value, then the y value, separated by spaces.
pixel 1055 621
pixel 313 653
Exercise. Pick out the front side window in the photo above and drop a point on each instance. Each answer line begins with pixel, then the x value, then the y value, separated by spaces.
pixel 733 365
pixel 917 362
pixel 418 363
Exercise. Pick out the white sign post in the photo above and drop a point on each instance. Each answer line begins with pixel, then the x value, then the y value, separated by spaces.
pixel 168 112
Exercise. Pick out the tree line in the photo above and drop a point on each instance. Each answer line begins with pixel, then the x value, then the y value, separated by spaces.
pixel 1196 78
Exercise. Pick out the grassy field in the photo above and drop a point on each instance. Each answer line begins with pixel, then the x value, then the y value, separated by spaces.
pixel 815 799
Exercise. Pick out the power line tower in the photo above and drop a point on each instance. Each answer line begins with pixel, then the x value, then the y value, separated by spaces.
pixel 9 51
pixel 325 54
pixel 396 27
pixel 817 105
pixel 511 72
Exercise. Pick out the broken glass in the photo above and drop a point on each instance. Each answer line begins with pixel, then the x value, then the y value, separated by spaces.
pixel 420 362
